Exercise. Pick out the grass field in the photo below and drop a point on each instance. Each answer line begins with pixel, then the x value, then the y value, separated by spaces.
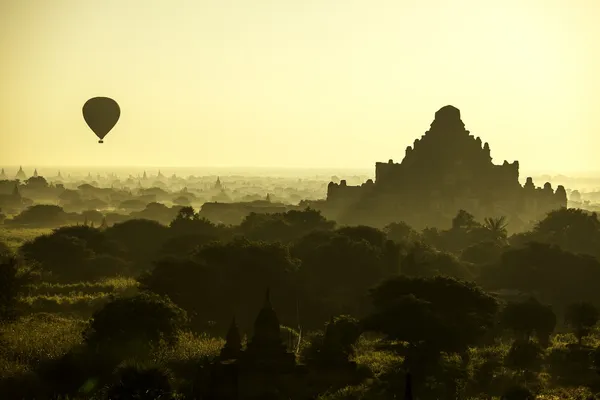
pixel 15 237
pixel 80 299
pixel 54 317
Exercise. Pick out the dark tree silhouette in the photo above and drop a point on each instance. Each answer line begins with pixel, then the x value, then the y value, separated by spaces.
pixel 525 355
pixel 12 281
pixel 143 321
pixel 220 281
pixel 527 318
pixel 141 238
pixel 40 216
pixel 63 257
pixel 442 325
pixel 141 383
pixel 581 317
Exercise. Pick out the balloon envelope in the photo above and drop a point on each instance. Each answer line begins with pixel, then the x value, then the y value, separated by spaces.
pixel 101 114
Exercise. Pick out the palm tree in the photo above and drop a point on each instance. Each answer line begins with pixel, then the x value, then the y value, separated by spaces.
pixel 496 226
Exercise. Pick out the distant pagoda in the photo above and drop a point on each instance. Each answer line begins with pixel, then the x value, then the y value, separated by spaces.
pixel 21 174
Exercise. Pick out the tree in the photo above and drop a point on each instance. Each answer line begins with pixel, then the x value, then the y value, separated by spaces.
pixel 220 280
pixel 525 355
pixel 338 269
pixel 186 213
pixel 581 317
pixel 284 227
pixel 64 257
pixel 464 232
pixel 464 221
pixel 401 232
pixel 141 383
pixel 483 253
pixel 441 313
pixel 182 201
pixel 341 333
pixel 4 249
pixel 94 239
pixel 423 260
pixel 93 217
pixel 104 265
pixel 133 205
pixel 12 281
pixel 191 285
pixel 141 238
pixel 518 393
pixel 572 229
pixel 40 216
pixel 335 346
pixel 135 322
pixel 555 276
pixel 527 318
pixel 595 358
pixel 37 182
pixel 496 228
pixel 184 245
pixel 188 222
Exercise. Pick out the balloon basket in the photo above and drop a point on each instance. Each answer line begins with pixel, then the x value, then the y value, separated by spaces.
pixel 100 141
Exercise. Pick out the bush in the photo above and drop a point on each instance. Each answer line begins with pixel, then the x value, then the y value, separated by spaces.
pixel 518 393
pixel 4 250
pixel 103 266
pixel 140 382
pixel 571 365
pixel 12 282
pixel 136 322
pixel 525 355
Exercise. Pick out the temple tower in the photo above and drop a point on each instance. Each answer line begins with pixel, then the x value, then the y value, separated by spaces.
pixel 266 349
pixel 233 343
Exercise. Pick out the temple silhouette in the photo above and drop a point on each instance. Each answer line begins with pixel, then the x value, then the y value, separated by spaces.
pixel 444 171
pixel 267 369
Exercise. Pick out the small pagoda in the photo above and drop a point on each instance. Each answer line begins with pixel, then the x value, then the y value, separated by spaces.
pixel 266 350
pixel 256 371
pixel 21 174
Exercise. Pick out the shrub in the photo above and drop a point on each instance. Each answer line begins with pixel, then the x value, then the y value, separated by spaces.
pixel 139 321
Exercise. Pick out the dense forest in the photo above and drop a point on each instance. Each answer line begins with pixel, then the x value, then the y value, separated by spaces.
pixel 140 309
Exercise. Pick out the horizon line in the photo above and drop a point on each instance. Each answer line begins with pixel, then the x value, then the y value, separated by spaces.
pixel 184 166
pixel 572 174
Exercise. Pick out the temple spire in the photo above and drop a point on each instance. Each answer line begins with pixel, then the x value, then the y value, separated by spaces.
pixel 233 342
pixel 21 174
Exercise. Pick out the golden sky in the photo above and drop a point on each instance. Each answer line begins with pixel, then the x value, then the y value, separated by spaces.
pixel 298 83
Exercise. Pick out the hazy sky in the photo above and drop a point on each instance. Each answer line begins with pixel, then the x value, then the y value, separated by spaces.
pixel 328 83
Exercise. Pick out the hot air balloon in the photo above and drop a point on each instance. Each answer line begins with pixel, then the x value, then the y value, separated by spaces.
pixel 101 114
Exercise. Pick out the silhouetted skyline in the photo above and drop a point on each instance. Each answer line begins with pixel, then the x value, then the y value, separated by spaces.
pixel 292 83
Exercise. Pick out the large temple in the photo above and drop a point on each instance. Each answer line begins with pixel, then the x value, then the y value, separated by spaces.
pixel 446 170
